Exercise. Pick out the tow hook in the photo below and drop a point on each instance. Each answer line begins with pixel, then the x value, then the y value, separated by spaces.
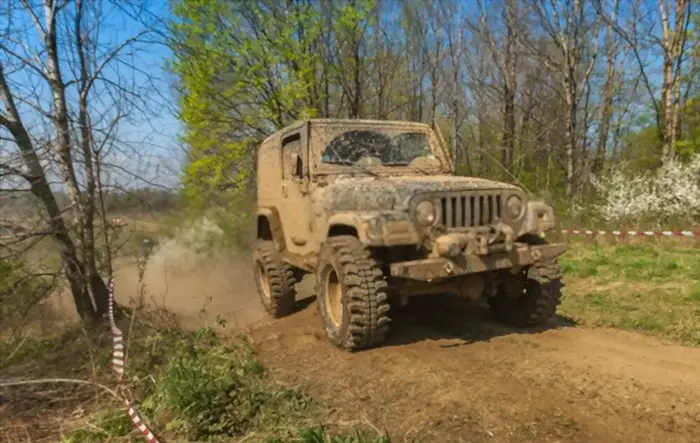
pixel 449 267
pixel 508 235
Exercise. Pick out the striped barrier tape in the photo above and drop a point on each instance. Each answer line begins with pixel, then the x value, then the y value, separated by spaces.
pixel 118 367
pixel 633 233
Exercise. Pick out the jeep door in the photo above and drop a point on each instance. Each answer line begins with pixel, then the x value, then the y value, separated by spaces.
pixel 295 204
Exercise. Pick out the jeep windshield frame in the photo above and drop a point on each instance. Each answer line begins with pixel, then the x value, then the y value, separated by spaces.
pixel 392 144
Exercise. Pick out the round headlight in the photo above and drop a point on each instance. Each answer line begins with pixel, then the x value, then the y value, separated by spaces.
pixel 425 213
pixel 514 206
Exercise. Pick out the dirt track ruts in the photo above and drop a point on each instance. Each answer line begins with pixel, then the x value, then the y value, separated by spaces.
pixel 451 374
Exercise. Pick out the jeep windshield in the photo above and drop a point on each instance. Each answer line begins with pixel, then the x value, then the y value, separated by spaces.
pixel 348 147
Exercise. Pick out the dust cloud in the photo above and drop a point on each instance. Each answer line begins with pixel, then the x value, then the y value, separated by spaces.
pixel 194 284
pixel 185 277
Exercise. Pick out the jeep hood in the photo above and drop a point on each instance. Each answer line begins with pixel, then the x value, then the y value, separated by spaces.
pixel 392 193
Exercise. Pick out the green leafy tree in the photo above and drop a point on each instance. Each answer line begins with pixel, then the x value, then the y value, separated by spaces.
pixel 245 69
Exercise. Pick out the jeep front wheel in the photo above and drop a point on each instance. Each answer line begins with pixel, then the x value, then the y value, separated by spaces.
pixel 351 293
pixel 530 298
pixel 275 280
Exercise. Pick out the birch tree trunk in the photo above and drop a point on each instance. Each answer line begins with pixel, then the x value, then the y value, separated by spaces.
pixel 64 54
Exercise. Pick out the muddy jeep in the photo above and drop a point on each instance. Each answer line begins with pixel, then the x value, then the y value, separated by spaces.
pixel 374 211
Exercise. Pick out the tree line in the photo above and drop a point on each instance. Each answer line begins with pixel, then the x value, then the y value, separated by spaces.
pixel 544 93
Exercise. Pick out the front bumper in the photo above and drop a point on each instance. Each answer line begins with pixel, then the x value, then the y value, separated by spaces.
pixel 442 267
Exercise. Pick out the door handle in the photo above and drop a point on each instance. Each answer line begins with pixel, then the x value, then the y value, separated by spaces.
pixel 284 190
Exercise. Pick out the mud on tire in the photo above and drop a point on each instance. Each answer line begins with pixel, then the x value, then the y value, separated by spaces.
pixel 275 280
pixel 351 292
pixel 538 301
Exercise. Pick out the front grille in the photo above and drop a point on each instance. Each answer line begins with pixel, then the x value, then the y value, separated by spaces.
pixel 465 211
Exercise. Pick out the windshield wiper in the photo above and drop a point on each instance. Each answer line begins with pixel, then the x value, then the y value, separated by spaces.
pixel 424 171
pixel 352 164
pixel 338 162
pixel 365 170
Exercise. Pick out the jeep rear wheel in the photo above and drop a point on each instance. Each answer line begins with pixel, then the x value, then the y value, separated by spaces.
pixel 531 298
pixel 275 280
pixel 351 293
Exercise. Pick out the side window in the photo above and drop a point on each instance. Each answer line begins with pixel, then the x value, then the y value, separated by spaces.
pixel 291 166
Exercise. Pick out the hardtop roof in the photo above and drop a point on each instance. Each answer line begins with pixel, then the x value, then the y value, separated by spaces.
pixel 365 121
pixel 349 121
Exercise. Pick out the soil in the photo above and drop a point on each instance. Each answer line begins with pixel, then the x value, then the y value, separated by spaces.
pixel 449 373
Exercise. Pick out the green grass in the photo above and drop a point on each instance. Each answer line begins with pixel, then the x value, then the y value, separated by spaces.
pixel 113 425
pixel 190 386
pixel 211 389
pixel 108 425
pixel 652 287
pixel 319 435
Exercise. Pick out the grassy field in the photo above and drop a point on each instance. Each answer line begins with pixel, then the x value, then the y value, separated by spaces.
pixel 652 286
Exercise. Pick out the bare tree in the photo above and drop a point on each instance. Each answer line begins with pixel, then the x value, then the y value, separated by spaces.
pixel 672 17
pixel 504 51
pixel 416 59
pixel 572 32
pixel 432 50
pixel 449 18
pixel 609 92
pixel 351 58
pixel 64 94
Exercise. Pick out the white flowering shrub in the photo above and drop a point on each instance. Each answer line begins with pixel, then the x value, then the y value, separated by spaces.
pixel 672 191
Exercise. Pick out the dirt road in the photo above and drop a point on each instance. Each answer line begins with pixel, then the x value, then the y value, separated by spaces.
pixel 450 374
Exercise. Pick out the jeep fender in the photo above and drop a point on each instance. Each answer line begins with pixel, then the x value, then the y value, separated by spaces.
pixel 538 219
pixel 269 227
pixel 374 228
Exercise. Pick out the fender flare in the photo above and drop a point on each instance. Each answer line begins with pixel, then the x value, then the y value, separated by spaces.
pixel 376 228
pixel 347 220
pixel 274 223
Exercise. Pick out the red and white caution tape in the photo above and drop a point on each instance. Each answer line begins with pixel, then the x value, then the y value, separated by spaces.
pixel 118 366
pixel 633 233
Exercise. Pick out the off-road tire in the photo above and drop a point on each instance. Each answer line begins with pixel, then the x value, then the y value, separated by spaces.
pixel 364 322
pixel 278 292
pixel 539 301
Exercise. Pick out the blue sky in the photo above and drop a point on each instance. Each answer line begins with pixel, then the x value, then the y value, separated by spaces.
pixel 159 159
pixel 149 146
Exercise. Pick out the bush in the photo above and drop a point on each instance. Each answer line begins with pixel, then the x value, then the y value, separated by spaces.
pixel 19 288
pixel 319 435
pixel 670 192
pixel 9 269
pixel 111 423
pixel 213 390
pixel 227 223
